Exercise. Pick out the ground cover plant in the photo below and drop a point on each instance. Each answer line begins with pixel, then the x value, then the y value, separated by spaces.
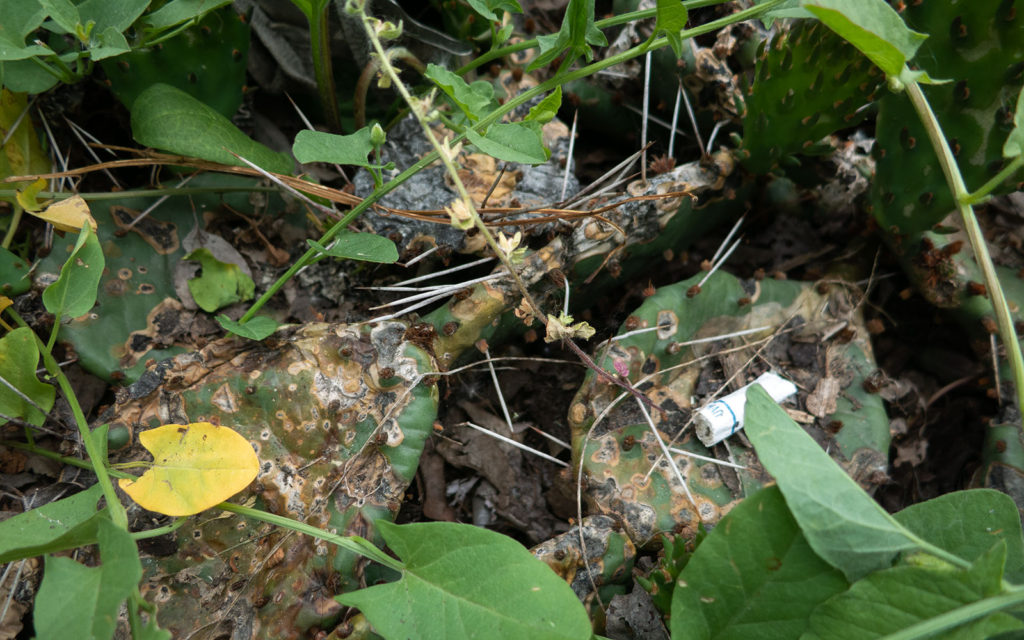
pixel 404 353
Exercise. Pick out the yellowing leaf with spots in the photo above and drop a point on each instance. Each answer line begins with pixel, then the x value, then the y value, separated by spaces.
pixel 70 214
pixel 195 467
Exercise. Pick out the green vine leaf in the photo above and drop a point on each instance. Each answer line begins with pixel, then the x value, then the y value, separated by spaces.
pixel 19 357
pixel 74 292
pixel 317 146
pixel 873 27
pixel 257 328
pixel 575 36
pixel 671 21
pixel 368 247
pixel 511 142
pixel 220 284
pixel 489 8
pixel 459 581
pixel 475 100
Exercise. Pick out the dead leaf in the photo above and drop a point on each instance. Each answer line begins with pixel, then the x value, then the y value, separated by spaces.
pixel 822 401
pixel 70 214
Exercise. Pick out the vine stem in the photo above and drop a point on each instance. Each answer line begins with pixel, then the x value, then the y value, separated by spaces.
pixel 962 197
pixel 417 107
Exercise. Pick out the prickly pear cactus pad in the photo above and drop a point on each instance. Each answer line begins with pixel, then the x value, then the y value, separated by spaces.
pixel 138 316
pixel 609 555
pixel 809 83
pixel 811 338
pixel 207 61
pixel 338 416
pixel 979 47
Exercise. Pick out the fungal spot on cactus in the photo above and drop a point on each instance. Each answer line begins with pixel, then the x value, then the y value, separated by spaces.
pixel 961 91
pixel 693 291
pixel 958 30
pixel 926 198
pixel 988 323
pixel 976 289
pixel 162 236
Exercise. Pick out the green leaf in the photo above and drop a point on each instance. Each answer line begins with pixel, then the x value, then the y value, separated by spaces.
pixel 317 146
pixel 1014 145
pixel 63 524
pixel 107 44
pixel 489 8
pixel 359 246
pixel 167 118
pixel 75 601
pixel 545 110
pixel 475 100
pixel 873 27
pixel 14 279
pixel 511 142
pixel 62 12
pixel 178 11
pixel 575 36
pixel 220 283
pixel 255 329
pixel 461 581
pixel 753 576
pixel 111 14
pixel 671 21
pixel 74 292
pixel 895 600
pixel 968 523
pixel 20 18
pixel 842 523
pixel 19 357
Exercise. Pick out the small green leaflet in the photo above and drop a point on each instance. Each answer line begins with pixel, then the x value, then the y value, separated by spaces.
pixel 359 246
pixel 317 146
pixel 475 100
pixel 511 142
pixel 255 329
pixel 576 35
pixel 220 284
pixel 74 292
pixel 873 27
pixel 487 8
pixel 19 357
pixel 671 21
pixel 545 110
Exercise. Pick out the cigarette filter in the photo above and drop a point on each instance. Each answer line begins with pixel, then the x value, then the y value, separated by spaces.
pixel 723 417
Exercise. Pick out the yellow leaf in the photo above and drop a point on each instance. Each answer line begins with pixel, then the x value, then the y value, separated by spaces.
pixel 69 214
pixel 195 467
pixel 27 197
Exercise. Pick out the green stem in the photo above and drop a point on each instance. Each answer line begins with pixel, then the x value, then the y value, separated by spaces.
pixel 159 531
pixel 355 544
pixel 15 219
pixel 956 184
pixel 117 512
pixel 320 41
pixel 606 23
pixel 486 121
pixel 987 188
pixel 959 616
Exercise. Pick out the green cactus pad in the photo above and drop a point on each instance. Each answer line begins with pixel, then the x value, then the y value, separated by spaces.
pixel 979 47
pixel 809 83
pixel 207 61
pixel 338 416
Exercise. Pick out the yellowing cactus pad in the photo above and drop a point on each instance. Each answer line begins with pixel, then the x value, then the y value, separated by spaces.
pixel 195 466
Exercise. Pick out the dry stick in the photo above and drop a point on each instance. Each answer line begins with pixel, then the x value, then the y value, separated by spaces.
pixel 693 122
pixel 675 121
pixel 494 185
pixel 643 126
pixel 568 155
pixel 497 389
pixel 516 444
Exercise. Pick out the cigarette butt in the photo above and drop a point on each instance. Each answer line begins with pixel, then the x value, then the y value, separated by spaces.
pixel 720 419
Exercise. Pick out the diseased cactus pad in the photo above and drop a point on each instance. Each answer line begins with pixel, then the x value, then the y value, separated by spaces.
pixel 672 356
pixel 338 416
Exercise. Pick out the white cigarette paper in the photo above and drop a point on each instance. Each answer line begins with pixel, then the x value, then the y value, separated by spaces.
pixel 723 417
